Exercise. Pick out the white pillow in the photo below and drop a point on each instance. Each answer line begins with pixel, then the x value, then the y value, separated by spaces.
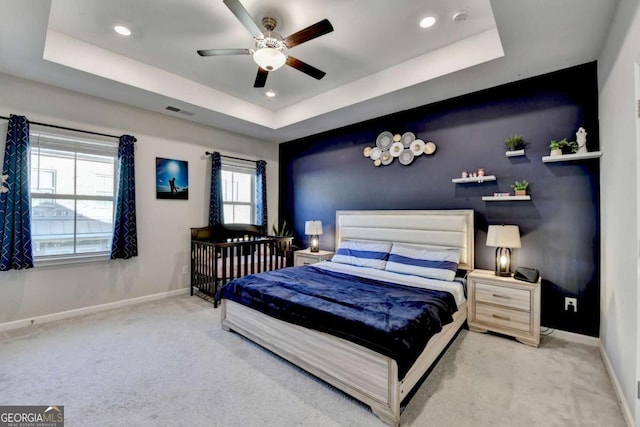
pixel 440 264
pixel 363 253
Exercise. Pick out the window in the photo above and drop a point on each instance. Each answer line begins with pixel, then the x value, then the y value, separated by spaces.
pixel 72 195
pixel 238 193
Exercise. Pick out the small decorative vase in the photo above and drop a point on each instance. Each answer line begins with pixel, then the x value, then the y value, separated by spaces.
pixel 581 139
pixel 481 172
pixel 556 152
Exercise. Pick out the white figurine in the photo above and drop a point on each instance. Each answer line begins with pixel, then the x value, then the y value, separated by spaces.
pixel 5 180
pixel 581 139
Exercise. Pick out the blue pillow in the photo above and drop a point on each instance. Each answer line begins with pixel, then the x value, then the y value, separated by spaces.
pixel 438 264
pixel 363 253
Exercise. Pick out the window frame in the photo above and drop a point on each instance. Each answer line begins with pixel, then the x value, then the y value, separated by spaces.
pixel 77 146
pixel 229 165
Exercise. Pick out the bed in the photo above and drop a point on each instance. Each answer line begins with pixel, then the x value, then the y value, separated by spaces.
pixel 377 375
pixel 220 253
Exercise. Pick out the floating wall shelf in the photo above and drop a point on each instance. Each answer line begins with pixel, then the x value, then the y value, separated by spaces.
pixel 474 179
pixel 572 157
pixel 505 198
pixel 516 153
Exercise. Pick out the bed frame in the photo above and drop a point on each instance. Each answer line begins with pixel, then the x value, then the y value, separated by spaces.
pixel 364 374
pixel 220 253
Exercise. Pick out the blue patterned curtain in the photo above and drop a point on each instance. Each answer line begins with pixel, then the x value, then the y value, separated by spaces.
pixel 216 211
pixel 15 218
pixel 125 235
pixel 261 193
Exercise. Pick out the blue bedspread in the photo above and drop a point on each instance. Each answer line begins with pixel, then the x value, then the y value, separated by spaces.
pixel 391 319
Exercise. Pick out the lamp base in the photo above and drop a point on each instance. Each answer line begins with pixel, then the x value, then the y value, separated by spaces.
pixel 503 262
pixel 314 245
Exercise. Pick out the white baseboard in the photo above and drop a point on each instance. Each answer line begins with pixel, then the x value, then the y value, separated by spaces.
pixel 87 310
pixel 577 338
pixel 626 411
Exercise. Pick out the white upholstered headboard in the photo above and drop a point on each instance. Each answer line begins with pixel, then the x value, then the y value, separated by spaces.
pixel 434 228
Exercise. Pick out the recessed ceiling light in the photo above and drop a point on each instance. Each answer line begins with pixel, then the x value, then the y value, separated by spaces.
pixel 270 93
pixel 427 21
pixel 122 30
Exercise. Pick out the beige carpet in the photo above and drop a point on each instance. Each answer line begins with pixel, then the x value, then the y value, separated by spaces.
pixel 169 363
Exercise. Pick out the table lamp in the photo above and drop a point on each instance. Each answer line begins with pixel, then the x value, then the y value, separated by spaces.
pixel 503 238
pixel 313 229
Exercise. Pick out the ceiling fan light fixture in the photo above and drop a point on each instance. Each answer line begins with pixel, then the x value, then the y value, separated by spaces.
pixel 270 52
pixel 269 59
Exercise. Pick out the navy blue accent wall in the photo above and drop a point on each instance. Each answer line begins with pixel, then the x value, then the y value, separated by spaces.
pixel 560 226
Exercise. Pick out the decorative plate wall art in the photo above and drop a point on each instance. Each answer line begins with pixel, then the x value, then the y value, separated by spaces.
pixel 405 148
pixel 396 149
pixel 417 147
pixel 384 140
pixel 407 138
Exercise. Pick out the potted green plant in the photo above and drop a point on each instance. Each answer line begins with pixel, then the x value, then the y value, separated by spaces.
pixel 515 142
pixel 570 147
pixel 520 187
pixel 559 147
pixel 284 231
pixel 556 147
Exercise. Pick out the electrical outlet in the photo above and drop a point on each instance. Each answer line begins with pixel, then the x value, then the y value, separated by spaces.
pixel 185 269
pixel 571 304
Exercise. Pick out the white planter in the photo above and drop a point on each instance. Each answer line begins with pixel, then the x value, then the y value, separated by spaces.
pixel 556 152
pixel 515 153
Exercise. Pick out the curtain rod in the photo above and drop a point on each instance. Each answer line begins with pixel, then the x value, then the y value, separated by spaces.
pixel 67 128
pixel 208 153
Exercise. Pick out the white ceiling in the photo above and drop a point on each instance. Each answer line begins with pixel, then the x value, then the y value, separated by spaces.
pixel 377 59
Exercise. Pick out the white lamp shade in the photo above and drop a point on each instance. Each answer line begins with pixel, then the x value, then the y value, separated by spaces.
pixel 269 59
pixel 503 236
pixel 313 228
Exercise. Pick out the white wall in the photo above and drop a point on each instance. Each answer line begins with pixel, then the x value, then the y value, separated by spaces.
pixel 619 200
pixel 163 225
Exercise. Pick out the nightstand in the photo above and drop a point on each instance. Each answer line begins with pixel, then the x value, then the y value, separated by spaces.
pixel 306 257
pixel 504 305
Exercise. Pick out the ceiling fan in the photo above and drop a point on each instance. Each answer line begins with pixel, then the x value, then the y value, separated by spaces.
pixel 271 48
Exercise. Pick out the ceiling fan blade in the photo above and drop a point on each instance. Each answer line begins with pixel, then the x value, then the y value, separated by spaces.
pixel 305 68
pixel 311 32
pixel 220 52
pixel 243 16
pixel 261 78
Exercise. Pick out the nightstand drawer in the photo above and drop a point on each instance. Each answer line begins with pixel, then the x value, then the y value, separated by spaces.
pixel 306 260
pixel 519 299
pixel 503 317
pixel 306 257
